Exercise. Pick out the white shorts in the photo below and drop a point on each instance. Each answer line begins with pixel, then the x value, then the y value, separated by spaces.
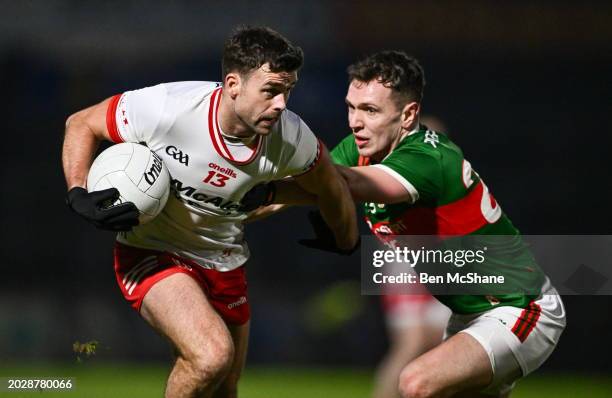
pixel 517 340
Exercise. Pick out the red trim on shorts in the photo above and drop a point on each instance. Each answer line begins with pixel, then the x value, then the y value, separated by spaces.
pixel 138 270
pixel 520 320
pixel 111 119
pixel 527 321
pixel 533 320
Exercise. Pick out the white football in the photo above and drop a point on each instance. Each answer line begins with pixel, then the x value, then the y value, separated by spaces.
pixel 138 173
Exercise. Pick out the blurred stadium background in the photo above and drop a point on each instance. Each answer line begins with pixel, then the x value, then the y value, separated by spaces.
pixel 524 87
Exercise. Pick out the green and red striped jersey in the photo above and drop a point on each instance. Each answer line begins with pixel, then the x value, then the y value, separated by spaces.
pixel 449 199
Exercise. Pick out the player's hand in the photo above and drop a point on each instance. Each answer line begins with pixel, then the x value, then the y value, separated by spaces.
pixel 325 239
pixel 93 206
pixel 259 195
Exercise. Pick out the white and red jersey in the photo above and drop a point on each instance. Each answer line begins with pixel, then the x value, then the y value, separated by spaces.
pixel 210 174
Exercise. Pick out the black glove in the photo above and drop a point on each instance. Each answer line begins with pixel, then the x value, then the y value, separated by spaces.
pixel 259 195
pixel 96 207
pixel 325 239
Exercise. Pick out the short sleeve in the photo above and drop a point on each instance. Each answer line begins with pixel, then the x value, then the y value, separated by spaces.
pixel 345 153
pixel 418 171
pixel 134 116
pixel 306 148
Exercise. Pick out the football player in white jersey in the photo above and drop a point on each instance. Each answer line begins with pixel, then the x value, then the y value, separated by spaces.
pixel 184 271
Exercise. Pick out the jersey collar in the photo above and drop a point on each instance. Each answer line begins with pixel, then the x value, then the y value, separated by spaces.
pixel 217 138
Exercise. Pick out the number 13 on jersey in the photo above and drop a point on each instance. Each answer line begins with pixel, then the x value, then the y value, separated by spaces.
pixel 215 179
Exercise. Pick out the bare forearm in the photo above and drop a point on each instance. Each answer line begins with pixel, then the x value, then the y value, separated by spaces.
pixel 289 192
pixel 264 212
pixel 354 183
pixel 80 145
pixel 334 201
pixel 84 131
pixel 338 211
pixel 371 184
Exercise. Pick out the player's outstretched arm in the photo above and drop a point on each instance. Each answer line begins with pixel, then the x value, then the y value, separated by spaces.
pixel 287 193
pixel 84 131
pixel 373 184
pixel 333 199
pixel 366 184
pixel 264 212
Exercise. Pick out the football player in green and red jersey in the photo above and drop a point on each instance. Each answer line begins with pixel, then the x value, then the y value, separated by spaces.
pixel 416 181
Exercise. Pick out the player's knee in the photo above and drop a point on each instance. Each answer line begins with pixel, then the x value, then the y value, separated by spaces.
pixel 212 363
pixel 414 384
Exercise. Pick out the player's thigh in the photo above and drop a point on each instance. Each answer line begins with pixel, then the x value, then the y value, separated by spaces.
pixel 410 342
pixel 458 364
pixel 177 307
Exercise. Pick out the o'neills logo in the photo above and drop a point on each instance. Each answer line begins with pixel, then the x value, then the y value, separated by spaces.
pixel 155 170
pixel 241 300
pixel 223 170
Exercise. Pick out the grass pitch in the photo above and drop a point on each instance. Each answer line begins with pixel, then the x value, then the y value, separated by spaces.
pixel 135 381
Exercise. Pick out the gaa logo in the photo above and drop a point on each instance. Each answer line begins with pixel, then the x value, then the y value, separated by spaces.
pixel 177 154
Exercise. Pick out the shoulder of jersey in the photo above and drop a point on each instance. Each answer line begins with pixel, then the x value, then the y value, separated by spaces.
pixel 424 141
pixel 189 90
pixel 290 118
pixel 289 125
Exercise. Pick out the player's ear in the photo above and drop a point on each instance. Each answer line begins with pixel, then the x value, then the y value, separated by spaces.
pixel 410 114
pixel 232 83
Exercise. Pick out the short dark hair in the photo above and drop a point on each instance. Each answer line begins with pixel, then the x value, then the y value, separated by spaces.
pixel 249 48
pixel 394 69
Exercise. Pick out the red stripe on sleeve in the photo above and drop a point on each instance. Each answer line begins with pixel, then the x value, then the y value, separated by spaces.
pixel 111 120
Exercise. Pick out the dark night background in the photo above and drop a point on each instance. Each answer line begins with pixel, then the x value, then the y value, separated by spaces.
pixel 524 88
